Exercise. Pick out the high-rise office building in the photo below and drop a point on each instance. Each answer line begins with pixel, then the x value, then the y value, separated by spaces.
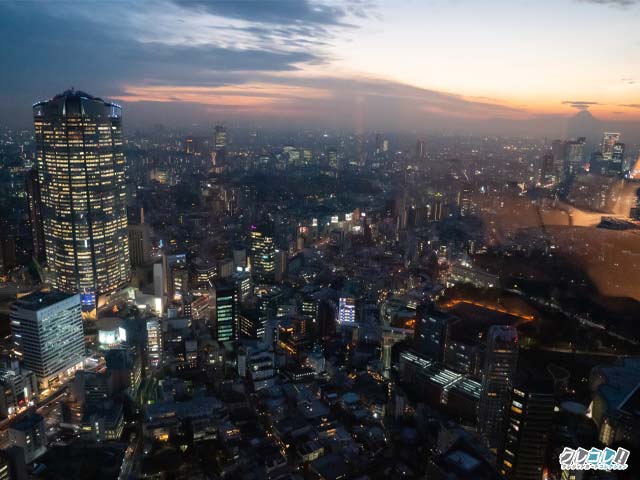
pixel 189 146
pixel 139 238
pixel 140 244
pixel 34 202
pixel 48 335
pixel 8 258
pixel 609 139
pixel 548 171
pixel 220 137
pixel 28 434
pixel 420 149
pixel 559 153
pixel 378 143
pixel 263 255
pixel 346 310
pixel 529 419
pixel 154 343
pixel 574 156
pixel 465 200
pixel 81 164
pixel 281 262
pixel 292 155
pixel 431 332
pixel 438 205
pixel 252 324
pixel 174 275
pixel 333 159
pixel 617 158
pixel 220 144
pixel 500 364
pixel 224 297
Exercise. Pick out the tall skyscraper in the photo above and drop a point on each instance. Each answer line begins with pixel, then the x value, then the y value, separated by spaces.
pixel 420 150
pixel 529 419
pixel 609 139
pixel 333 159
pixel 575 156
pixel 34 201
pixel 500 364
pixel 617 158
pixel 559 152
pixel 224 296
pixel 140 244
pixel 174 275
pixel 220 137
pixel 263 255
pixel 437 207
pixel 154 343
pixel 48 335
pixel 548 172
pixel 189 146
pixel 430 336
pixel 465 200
pixel 81 164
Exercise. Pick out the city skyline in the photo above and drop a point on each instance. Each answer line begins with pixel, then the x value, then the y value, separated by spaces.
pixel 311 240
pixel 362 65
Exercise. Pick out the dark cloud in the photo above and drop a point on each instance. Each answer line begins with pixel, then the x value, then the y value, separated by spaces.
pixel 280 12
pixel 630 105
pixel 60 51
pixel 580 105
pixel 614 3
pixel 116 61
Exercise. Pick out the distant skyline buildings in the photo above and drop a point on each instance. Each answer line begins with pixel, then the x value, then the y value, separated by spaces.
pixel 80 163
pixel 609 139
pixel 421 247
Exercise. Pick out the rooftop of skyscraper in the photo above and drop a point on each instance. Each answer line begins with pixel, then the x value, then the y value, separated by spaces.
pixel 71 101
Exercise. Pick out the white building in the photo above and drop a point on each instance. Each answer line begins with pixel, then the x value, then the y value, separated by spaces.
pixel 154 342
pixel 48 335
pixel 347 310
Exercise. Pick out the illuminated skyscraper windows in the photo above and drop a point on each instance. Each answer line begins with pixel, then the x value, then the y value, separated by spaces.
pixel 81 165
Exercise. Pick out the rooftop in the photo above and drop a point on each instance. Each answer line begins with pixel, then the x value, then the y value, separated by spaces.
pixel 39 300
pixel 27 421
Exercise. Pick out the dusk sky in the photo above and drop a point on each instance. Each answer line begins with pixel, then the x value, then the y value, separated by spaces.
pixel 490 66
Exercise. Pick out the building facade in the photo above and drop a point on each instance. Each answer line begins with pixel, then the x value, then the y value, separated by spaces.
pixel 530 417
pixel 225 310
pixel 500 365
pixel 263 256
pixel 80 162
pixel 48 335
